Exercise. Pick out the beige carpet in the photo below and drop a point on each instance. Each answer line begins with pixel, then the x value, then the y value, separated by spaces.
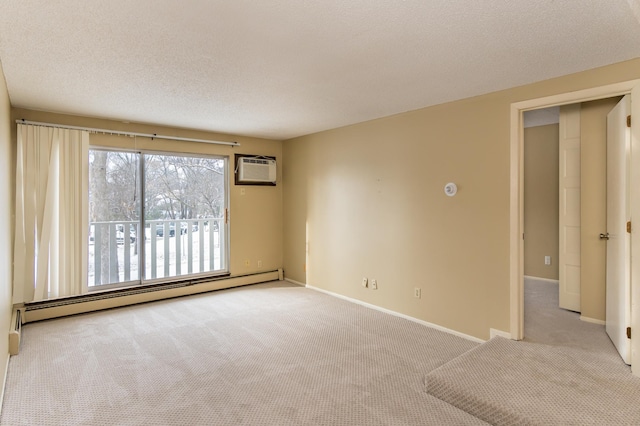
pixel 270 354
pixel 545 322
pixel 505 382
pixel 565 372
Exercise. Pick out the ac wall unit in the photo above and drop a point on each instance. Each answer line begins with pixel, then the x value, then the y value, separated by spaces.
pixel 256 170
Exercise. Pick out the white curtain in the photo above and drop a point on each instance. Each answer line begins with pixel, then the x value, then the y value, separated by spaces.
pixel 51 233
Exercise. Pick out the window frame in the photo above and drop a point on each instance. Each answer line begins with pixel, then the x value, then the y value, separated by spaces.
pixel 141 281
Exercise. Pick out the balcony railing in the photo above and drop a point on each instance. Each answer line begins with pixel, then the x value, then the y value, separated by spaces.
pixel 172 248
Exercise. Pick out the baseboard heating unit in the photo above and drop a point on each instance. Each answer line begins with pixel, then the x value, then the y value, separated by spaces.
pixel 48 309
pixel 15 332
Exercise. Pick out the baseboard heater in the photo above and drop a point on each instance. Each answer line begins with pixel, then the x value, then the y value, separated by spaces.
pixel 15 332
pixel 48 309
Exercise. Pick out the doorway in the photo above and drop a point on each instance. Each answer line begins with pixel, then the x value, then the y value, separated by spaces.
pixel 517 196
pixel 565 151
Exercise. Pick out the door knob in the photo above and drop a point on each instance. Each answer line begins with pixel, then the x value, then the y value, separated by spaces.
pixel 604 236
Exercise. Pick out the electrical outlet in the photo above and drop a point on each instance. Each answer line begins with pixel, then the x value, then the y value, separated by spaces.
pixel 417 293
pixel 365 281
pixel 247 263
pixel 259 264
pixel 374 284
pixel 547 260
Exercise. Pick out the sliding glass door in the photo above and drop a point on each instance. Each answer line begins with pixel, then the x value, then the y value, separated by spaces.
pixel 155 217
pixel 184 215
pixel 114 217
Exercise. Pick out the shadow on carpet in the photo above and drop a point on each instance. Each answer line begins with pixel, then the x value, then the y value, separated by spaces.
pixel 507 382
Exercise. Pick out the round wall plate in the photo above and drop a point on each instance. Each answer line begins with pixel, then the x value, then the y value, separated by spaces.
pixel 450 189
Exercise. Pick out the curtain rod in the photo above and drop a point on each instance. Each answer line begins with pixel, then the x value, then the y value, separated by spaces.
pixel 118 132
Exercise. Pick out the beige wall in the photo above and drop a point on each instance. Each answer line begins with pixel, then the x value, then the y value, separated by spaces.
pixel 593 206
pixel 541 200
pixel 295 202
pixel 256 228
pixel 6 239
pixel 368 199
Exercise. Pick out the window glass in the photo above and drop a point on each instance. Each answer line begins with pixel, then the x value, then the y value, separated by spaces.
pixel 173 217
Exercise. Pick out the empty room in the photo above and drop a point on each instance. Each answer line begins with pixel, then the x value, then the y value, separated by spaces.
pixel 322 213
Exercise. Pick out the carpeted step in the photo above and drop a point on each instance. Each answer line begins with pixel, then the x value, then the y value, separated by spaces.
pixel 505 382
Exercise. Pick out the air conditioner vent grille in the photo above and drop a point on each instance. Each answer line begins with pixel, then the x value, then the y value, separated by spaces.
pixel 256 161
pixel 256 170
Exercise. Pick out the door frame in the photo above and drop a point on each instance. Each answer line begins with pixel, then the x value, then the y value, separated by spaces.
pixel 516 200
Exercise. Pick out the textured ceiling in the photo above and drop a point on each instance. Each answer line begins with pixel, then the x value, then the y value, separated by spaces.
pixel 284 68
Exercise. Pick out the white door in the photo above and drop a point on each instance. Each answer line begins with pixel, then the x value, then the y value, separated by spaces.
pixel 618 305
pixel 569 220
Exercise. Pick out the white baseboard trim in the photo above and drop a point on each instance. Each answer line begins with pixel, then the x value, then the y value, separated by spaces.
pixel 295 282
pixel 592 320
pixel 397 314
pixel 494 332
pixel 548 280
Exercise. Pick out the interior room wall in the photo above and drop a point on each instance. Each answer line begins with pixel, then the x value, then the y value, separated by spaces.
pixel 6 237
pixel 541 200
pixel 593 206
pixel 295 202
pixel 256 228
pixel 370 203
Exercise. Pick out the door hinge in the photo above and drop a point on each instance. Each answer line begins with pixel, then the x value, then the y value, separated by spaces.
pixel 226 216
pixel 628 332
pixel 628 121
pixel 629 227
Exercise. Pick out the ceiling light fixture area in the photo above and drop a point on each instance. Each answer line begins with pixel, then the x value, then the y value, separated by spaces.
pixel 122 133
